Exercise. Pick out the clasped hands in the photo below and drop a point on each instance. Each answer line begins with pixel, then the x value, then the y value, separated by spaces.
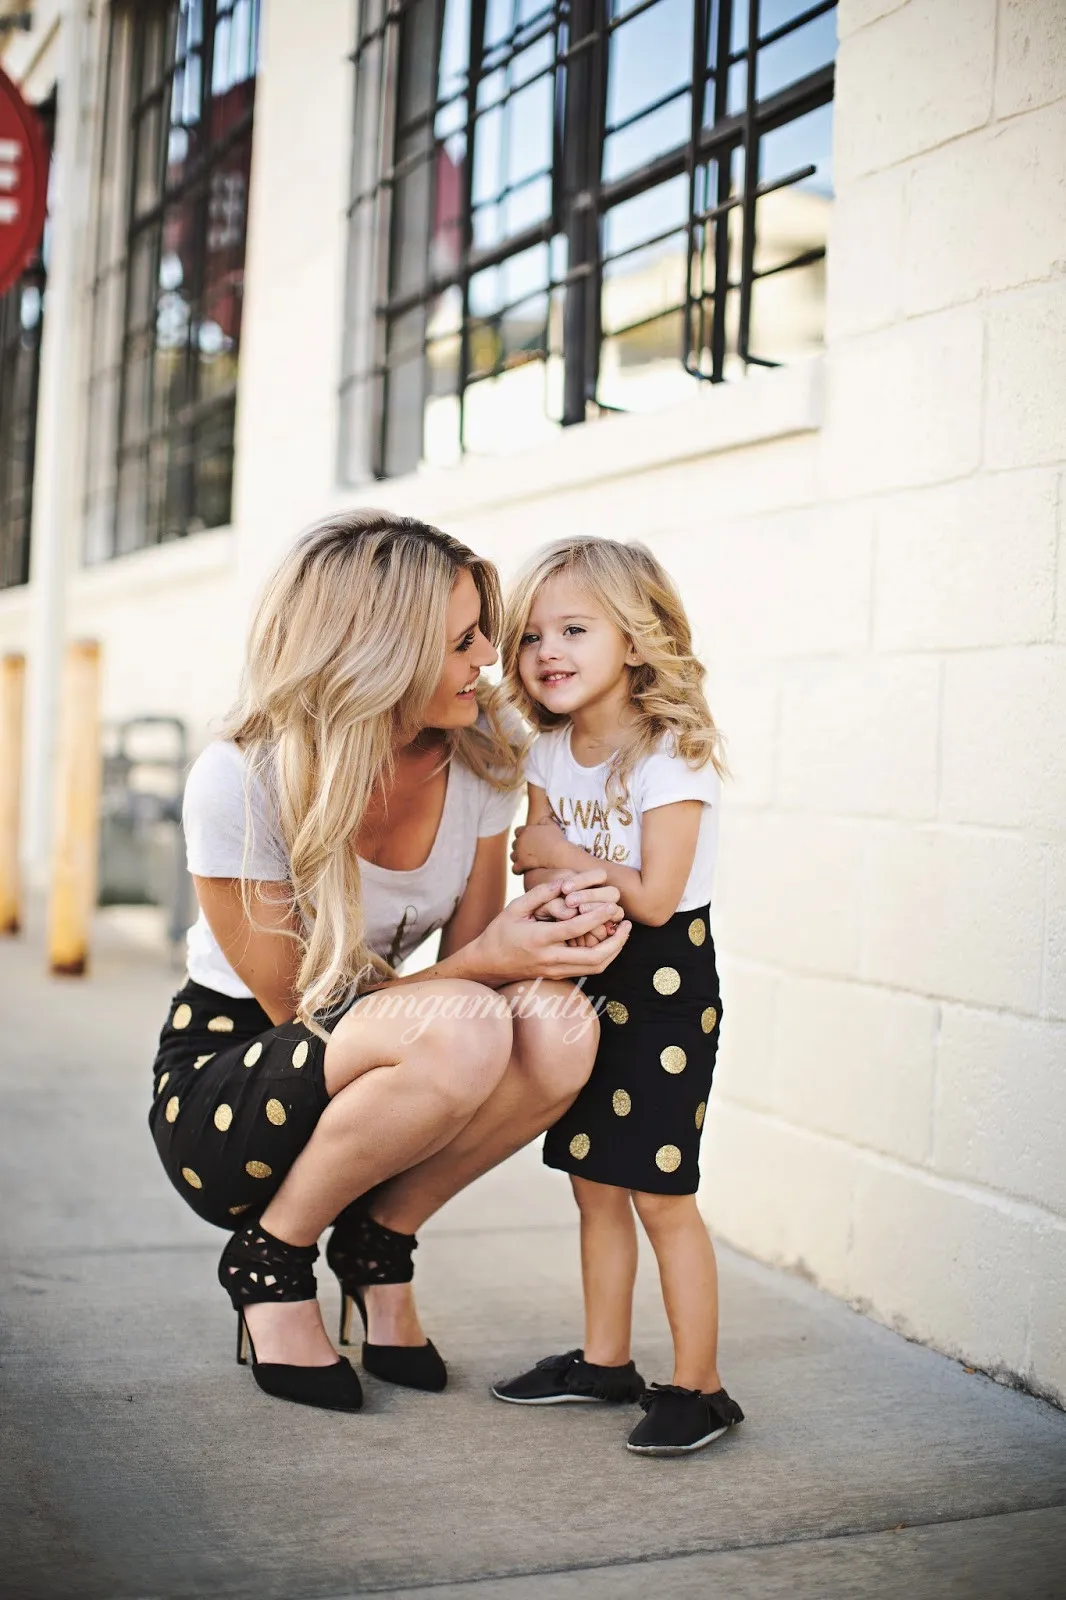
pixel 543 845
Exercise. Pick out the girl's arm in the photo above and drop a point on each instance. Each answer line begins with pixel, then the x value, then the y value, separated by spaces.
pixel 650 894
pixel 265 956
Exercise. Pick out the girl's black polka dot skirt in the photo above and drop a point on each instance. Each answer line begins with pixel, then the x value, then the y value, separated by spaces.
pixel 235 1101
pixel 637 1122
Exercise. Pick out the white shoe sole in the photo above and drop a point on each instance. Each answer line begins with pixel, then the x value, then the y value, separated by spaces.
pixel 677 1449
pixel 553 1400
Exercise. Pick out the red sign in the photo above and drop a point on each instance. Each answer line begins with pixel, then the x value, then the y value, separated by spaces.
pixel 23 182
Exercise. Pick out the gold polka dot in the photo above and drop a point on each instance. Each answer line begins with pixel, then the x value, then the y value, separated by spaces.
pixel 701 1112
pixel 621 1102
pixel 257 1169
pixel 617 1012
pixel 235 1211
pixel 697 930
pixel 190 1178
pixel 200 1060
pixel 182 1017
pixel 223 1117
pixel 275 1113
pixel 667 980
pixel 673 1058
pixel 708 1020
pixel 171 1113
pixel 220 1025
pixel 299 1055
pixel 253 1052
pixel 668 1158
pixel 161 1085
pixel 580 1145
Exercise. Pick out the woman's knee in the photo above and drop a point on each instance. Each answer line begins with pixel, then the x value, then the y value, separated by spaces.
pixel 457 1033
pixel 556 1033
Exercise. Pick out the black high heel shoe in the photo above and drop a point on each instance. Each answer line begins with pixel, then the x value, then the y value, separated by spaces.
pixel 255 1267
pixel 362 1252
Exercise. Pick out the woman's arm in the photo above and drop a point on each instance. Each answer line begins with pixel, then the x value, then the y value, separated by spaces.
pixel 265 956
pixel 668 838
pixel 483 897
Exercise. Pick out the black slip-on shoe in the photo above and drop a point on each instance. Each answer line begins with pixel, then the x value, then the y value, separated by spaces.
pixel 679 1420
pixel 570 1379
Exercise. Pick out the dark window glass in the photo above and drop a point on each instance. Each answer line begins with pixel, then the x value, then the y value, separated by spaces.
pixel 181 88
pixel 21 325
pixel 576 206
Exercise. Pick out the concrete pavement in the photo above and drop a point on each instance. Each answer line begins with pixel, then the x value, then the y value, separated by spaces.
pixel 140 1463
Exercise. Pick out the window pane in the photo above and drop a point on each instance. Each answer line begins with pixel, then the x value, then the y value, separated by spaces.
pixel 796 55
pixel 174 358
pixel 649 56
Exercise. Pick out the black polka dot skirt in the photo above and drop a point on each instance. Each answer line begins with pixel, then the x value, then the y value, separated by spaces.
pixel 637 1122
pixel 235 1101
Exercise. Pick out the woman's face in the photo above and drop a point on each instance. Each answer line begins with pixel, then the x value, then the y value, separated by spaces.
pixel 454 703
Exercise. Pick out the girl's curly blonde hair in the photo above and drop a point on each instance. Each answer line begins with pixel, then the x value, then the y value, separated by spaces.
pixel 639 597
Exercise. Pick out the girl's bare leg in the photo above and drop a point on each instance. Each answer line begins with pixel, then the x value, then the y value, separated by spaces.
pixel 608 1270
pixel 397 1093
pixel 555 1039
pixel 688 1273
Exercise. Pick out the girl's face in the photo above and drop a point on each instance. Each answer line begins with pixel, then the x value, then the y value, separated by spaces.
pixel 454 702
pixel 571 656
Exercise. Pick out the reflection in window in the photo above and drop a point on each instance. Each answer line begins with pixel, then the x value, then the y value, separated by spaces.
pixel 169 279
pixel 566 206
pixel 21 326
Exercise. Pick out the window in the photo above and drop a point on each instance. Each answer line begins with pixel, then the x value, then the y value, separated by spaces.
pixel 565 208
pixel 169 275
pixel 21 320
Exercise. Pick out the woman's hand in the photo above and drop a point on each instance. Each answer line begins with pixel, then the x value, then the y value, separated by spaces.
pixel 539 844
pixel 518 944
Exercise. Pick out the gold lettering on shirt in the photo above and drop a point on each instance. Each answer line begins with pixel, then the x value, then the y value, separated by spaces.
pixel 593 817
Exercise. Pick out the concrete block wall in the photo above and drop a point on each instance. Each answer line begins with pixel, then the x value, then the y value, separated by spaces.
pixel 891 901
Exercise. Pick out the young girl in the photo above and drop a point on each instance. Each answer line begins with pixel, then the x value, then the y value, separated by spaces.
pixel 625 772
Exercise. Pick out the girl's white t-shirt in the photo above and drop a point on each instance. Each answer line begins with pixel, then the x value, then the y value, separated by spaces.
pixel 401 908
pixel 610 829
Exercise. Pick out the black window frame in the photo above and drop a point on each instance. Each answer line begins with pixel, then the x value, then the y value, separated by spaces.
pixel 20 375
pixel 170 439
pixel 581 198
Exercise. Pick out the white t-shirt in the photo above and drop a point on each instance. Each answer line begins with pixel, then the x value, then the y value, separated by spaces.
pixel 610 829
pixel 401 908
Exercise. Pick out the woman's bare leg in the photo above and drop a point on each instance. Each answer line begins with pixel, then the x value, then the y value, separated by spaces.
pixel 555 1039
pixel 608 1270
pixel 399 1091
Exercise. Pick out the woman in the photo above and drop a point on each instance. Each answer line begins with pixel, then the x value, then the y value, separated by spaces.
pixel 361 798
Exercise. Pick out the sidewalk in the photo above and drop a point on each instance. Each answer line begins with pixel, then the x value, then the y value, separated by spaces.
pixel 138 1460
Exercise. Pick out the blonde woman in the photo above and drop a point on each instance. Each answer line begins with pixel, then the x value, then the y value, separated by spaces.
pixel 359 799
pixel 598 655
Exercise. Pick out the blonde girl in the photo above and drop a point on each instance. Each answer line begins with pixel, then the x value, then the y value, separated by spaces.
pixel 359 799
pixel 625 775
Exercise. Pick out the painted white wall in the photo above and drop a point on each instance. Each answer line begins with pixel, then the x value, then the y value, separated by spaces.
pixel 871 547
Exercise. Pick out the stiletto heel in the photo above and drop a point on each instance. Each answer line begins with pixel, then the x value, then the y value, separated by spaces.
pixel 256 1268
pixel 362 1252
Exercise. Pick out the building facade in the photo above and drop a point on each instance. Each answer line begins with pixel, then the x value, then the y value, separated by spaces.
pixel 527 269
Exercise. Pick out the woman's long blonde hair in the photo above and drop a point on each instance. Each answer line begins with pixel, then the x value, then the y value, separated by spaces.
pixel 639 597
pixel 346 649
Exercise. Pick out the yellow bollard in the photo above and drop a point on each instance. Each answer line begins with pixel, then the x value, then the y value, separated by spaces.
pixel 12 678
pixel 77 817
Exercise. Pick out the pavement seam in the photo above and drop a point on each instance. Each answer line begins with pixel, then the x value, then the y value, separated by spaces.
pixel 659 1558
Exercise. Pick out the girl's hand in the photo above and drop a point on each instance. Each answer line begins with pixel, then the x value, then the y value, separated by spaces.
pixel 575 901
pixel 538 844
pixel 517 945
